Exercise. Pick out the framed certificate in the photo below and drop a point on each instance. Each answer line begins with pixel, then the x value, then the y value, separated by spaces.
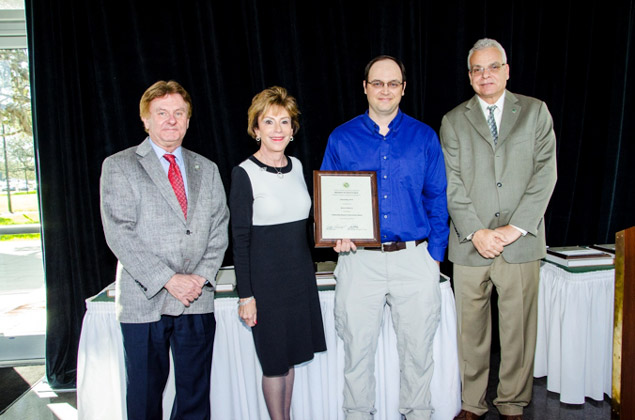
pixel 345 207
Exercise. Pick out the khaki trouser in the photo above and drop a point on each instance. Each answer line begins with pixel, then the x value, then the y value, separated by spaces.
pixel 517 288
pixel 408 281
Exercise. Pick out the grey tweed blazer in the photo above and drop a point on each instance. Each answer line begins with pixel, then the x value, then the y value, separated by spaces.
pixel 146 230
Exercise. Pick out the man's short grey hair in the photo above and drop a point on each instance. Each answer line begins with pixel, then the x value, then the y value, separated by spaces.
pixel 481 44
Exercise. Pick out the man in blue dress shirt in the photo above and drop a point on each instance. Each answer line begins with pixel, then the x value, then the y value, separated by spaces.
pixel 404 271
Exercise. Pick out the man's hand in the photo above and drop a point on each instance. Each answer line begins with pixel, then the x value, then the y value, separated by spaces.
pixel 248 312
pixel 344 245
pixel 199 279
pixel 510 234
pixel 489 243
pixel 184 287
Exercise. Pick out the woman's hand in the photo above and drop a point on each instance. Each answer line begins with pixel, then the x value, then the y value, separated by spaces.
pixel 247 311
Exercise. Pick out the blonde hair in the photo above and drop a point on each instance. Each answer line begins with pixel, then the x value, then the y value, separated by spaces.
pixel 159 90
pixel 273 96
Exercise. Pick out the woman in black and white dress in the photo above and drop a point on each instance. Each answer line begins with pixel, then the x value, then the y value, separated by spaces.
pixel 270 205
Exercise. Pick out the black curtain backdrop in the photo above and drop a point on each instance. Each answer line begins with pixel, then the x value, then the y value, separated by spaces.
pixel 92 60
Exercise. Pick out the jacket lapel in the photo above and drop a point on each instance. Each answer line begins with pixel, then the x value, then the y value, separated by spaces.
pixel 194 179
pixel 474 115
pixel 150 162
pixel 511 112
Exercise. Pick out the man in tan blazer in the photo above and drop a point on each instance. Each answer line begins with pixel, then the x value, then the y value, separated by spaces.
pixel 500 156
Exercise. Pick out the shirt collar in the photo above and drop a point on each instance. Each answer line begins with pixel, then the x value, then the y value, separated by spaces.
pixel 499 104
pixel 178 152
pixel 393 126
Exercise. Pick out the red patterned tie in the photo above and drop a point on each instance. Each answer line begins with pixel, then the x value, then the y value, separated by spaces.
pixel 174 175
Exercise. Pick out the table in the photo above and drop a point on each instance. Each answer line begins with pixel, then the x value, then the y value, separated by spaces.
pixel 236 374
pixel 574 346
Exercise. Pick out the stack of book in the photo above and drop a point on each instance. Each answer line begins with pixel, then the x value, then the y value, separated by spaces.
pixel 578 256
pixel 225 279
pixel 324 273
pixel 608 248
pixel 110 290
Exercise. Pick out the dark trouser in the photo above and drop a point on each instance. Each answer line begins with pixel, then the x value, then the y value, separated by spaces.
pixel 146 347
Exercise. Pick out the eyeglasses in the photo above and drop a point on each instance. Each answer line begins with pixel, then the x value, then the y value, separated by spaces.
pixel 378 84
pixel 493 69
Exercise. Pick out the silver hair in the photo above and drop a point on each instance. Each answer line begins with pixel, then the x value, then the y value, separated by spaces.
pixel 486 43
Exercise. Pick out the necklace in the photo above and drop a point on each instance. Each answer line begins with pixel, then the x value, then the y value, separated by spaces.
pixel 278 169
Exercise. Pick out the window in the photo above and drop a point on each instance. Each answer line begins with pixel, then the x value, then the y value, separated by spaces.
pixel 22 290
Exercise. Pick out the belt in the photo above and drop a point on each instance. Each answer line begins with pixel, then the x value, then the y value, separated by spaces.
pixel 392 246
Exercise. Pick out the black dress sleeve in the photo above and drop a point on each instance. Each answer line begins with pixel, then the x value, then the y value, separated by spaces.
pixel 241 200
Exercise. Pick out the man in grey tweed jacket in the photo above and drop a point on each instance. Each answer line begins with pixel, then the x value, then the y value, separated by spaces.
pixel 169 252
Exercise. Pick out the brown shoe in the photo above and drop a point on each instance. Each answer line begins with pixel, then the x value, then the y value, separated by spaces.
pixel 513 417
pixel 468 415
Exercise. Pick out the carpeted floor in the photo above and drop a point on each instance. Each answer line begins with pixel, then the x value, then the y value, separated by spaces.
pixel 16 381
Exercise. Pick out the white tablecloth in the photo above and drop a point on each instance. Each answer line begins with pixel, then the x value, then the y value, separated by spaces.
pixel 574 347
pixel 236 374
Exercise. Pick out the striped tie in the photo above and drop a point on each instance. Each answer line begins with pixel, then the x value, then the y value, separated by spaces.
pixel 491 122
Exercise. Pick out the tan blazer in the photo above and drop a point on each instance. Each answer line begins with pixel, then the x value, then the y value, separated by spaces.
pixel 491 186
pixel 146 230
